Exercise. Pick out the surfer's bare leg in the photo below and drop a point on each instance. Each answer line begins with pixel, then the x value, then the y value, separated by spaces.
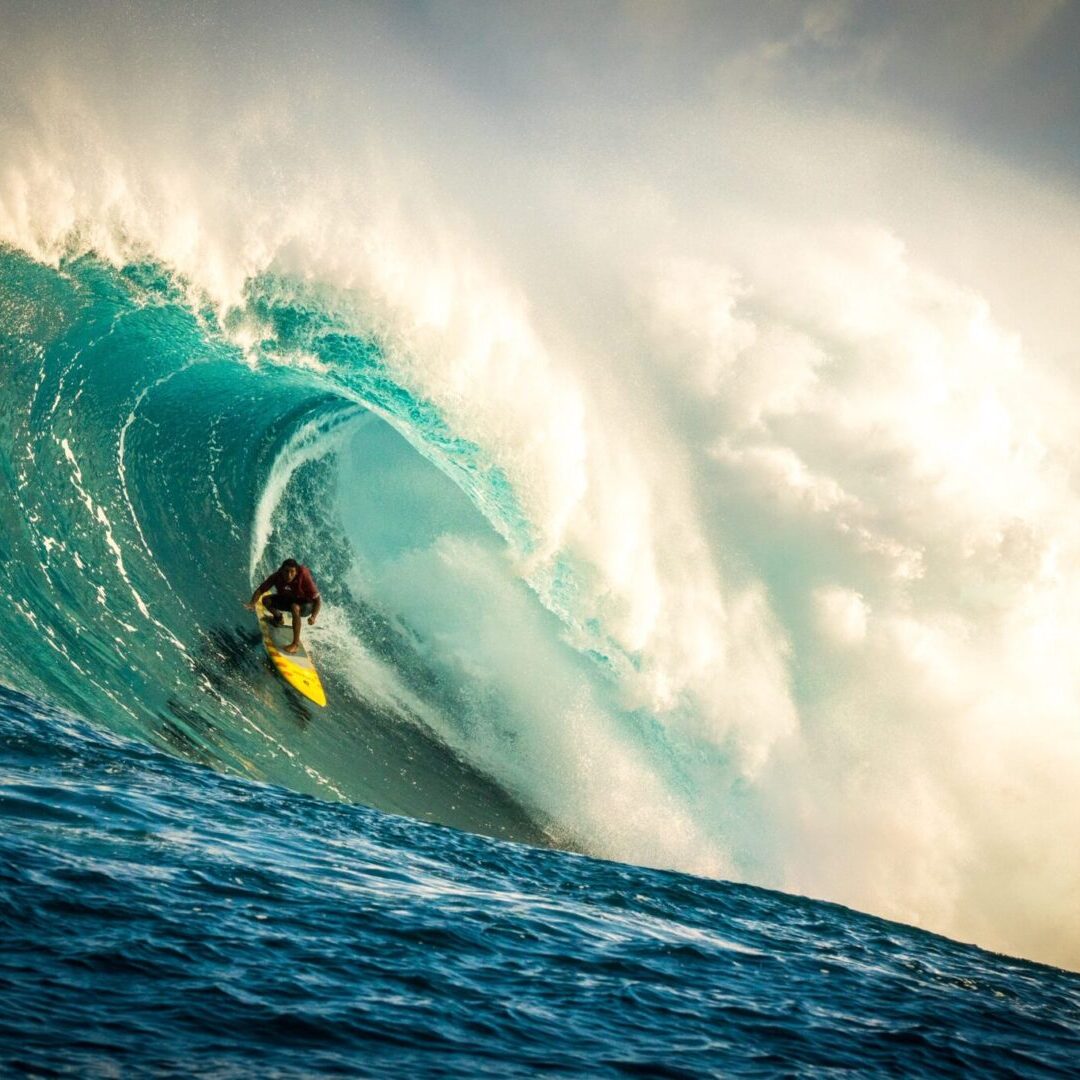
pixel 291 648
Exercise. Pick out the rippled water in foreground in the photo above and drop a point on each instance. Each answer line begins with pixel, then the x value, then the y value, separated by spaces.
pixel 160 918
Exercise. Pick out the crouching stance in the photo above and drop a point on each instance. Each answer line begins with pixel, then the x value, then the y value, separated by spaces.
pixel 294 590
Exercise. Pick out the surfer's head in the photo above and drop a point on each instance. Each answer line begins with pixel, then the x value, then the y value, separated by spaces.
pixel 291 568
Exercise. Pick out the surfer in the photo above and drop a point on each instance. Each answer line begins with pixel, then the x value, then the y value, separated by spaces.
pixel 295 591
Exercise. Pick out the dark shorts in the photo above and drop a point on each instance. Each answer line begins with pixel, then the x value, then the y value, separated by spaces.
pixel 274 602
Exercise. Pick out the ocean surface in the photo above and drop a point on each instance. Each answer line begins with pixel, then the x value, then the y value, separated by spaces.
pixel 204 875
pixel 161 918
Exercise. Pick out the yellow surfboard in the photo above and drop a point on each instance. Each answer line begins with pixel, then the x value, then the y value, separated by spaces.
pixel 296 668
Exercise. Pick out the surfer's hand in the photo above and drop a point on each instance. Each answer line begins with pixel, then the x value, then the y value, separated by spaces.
pixel 249 605
pixel 311 620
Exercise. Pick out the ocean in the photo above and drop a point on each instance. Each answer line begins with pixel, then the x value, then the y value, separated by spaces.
pixel 163 919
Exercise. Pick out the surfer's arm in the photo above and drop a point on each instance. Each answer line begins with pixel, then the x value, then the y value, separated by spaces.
pixel 260 589
pixel 315 610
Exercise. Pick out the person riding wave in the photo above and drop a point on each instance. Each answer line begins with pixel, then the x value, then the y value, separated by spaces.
pixel 294 590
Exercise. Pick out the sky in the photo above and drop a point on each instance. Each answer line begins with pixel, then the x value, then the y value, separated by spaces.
pixel 767 311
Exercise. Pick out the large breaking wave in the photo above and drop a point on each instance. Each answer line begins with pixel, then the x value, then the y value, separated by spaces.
pixel 663 512
pixel 155 469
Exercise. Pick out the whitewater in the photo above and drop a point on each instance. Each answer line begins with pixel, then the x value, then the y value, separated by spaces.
pixel 679 497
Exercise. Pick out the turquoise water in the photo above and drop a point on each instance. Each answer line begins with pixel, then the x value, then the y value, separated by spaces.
pixel 140 446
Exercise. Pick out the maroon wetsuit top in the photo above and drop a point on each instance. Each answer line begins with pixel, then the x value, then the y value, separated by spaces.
pixel 302 588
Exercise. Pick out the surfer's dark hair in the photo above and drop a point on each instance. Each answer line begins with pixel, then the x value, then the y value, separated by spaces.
pixel 290 564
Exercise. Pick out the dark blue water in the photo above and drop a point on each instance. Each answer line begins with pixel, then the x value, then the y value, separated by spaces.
pixel 161 918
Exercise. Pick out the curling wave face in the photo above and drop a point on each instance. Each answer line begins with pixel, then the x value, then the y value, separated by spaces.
pixel 139 449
